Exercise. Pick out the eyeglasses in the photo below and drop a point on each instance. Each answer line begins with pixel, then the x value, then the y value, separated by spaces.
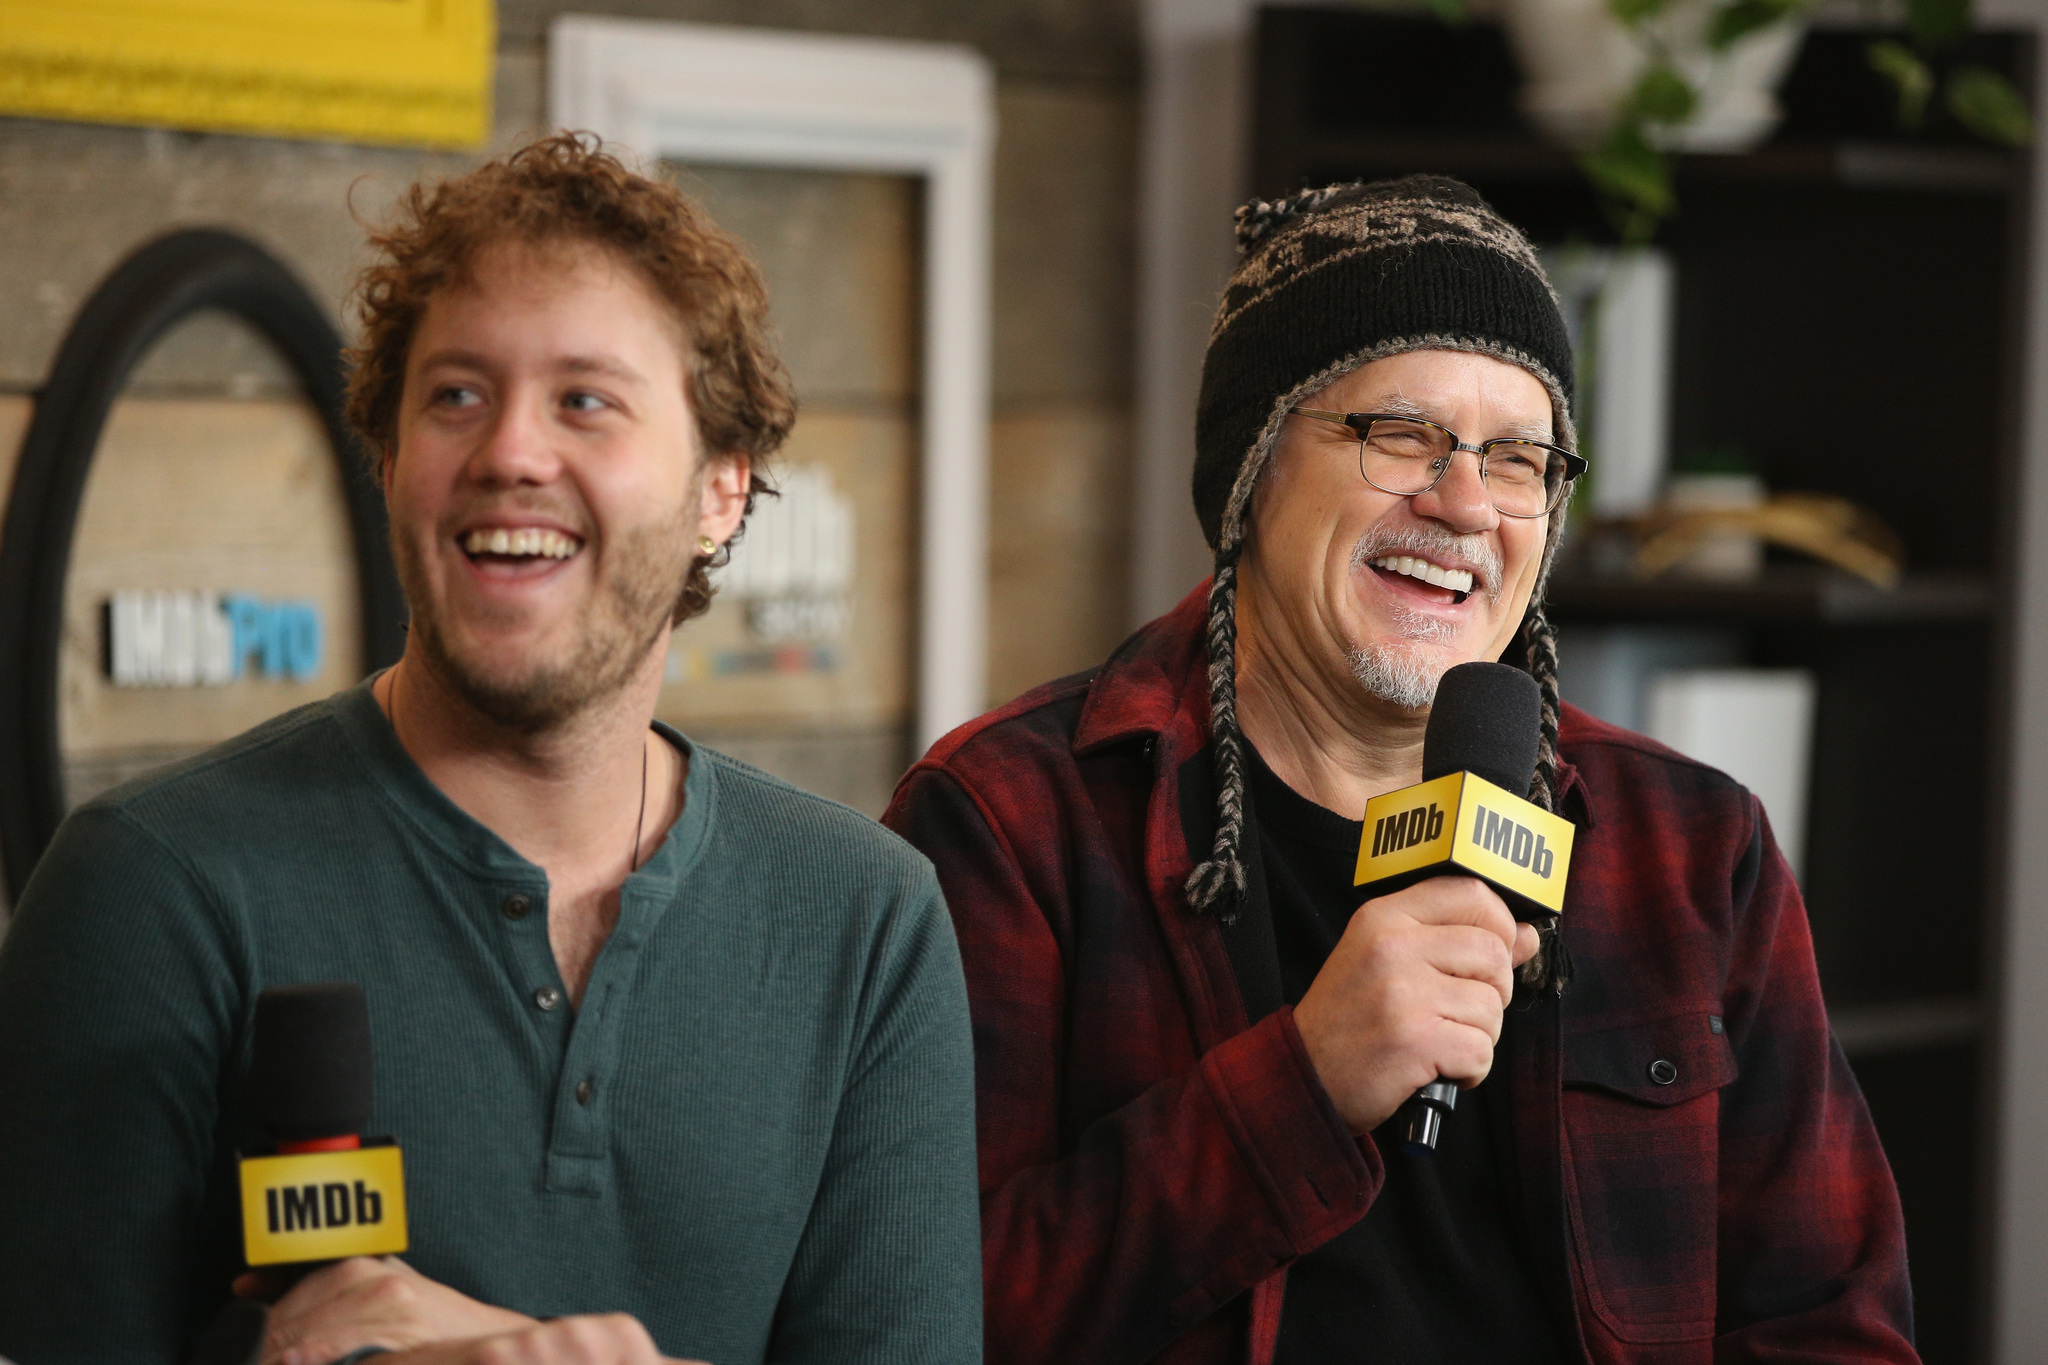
pixel 1407 455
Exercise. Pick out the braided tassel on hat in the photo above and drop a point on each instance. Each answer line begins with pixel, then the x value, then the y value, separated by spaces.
pixel 1218 885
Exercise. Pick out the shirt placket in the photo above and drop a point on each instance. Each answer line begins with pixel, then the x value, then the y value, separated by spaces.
pixel 580 1137
pixel 580 1044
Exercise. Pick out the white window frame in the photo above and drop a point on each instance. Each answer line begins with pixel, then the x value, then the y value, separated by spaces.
pixel 736 96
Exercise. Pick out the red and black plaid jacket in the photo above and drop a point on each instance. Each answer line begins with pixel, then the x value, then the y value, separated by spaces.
pixel 1150 1166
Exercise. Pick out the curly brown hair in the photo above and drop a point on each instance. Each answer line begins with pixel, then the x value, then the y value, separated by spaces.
pixel 561 189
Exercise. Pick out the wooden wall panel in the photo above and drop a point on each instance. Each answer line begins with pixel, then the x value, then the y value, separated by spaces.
pixel 840 256
pixel 213 494
pixel 15 410
pixel 872 461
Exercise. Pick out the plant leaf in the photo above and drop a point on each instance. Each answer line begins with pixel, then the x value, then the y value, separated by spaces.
pixel 1740 18
pixel 1661 96
pixel 1628 168
pixel 1935 24
pixel 1904 68
pixel 1634 12
pixel 1450 11
pixel 1986 103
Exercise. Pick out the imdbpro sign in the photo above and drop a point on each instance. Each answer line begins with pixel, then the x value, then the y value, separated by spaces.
pixel 175 638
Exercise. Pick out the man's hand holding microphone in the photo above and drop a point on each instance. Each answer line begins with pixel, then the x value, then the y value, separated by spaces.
pixel 1414 990
pixel 382 1302
pixel 1410 1002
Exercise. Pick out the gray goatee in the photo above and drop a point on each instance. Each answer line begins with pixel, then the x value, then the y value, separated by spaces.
pixel 1404 668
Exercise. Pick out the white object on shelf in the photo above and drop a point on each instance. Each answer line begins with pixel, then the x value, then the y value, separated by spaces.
pixel 1754 724
pixel 1607 669
pixel 1727 555
pixel 1631 424
pixel 1579 63
pixel 1618 307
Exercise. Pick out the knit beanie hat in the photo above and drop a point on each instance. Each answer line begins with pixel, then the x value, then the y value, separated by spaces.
pixel 1327 281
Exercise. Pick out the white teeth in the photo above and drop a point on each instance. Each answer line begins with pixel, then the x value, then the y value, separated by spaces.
pixel 527 540
pixel 1457 580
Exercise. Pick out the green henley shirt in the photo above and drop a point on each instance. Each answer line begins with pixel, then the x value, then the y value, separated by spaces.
pixel 756 1135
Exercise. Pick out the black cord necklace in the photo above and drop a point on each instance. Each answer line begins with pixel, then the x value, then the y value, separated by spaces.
pixel 640 824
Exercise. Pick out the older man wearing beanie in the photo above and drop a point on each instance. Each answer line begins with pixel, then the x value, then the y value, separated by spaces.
pixel 1191 1037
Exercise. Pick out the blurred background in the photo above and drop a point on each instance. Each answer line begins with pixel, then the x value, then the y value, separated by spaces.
pixel 1800 245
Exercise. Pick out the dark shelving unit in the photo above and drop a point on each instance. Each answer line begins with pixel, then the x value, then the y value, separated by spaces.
pixel 1849 312
pixel 1793 594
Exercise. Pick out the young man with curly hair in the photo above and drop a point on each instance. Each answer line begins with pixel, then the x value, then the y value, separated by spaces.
pixel 678 1054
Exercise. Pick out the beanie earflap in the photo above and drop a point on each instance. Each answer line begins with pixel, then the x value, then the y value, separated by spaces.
pixel 1217 885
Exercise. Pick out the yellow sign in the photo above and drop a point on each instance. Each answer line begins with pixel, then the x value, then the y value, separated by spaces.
pixel 415 72
pixel 320 1206
pixel 1473 825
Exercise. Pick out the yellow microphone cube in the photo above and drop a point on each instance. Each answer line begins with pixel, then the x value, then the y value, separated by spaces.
pixel 1462 823
pixel 322 1206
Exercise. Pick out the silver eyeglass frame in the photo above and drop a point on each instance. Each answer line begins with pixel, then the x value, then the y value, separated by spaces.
pixel 1360 424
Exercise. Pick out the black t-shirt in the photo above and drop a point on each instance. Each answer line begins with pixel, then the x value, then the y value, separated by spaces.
pixel 1436 1271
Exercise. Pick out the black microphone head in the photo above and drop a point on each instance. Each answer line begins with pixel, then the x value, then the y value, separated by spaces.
pixel 309 1075
pixel 1487 719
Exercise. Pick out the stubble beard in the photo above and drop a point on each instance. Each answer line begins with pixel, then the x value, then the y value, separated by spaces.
pixel 634 600
pixel 1404 667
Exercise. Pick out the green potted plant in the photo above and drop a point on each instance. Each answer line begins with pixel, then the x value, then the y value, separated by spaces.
pixel 1671 87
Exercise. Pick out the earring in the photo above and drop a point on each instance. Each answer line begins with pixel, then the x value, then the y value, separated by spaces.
pixel 706 545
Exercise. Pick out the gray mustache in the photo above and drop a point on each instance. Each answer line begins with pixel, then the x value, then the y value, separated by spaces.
pixel 1432 542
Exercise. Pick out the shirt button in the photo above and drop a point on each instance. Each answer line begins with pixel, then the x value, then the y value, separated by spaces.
pixel 515 906
pixel 584 1090
pixel 1663 1072
pixel 547 997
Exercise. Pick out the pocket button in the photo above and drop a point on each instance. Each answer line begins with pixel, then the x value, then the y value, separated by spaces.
pixel 1663 1072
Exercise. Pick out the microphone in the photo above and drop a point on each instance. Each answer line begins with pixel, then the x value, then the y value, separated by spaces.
pixel 1468 817
pixel 327 1191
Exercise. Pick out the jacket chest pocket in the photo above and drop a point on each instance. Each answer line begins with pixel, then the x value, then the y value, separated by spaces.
pixel 1642 1106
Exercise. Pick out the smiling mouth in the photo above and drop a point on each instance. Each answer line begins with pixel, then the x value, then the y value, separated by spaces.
pixel 1455 585
pixel 522 546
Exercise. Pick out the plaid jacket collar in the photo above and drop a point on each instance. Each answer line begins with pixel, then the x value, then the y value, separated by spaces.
pixel 1154 685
